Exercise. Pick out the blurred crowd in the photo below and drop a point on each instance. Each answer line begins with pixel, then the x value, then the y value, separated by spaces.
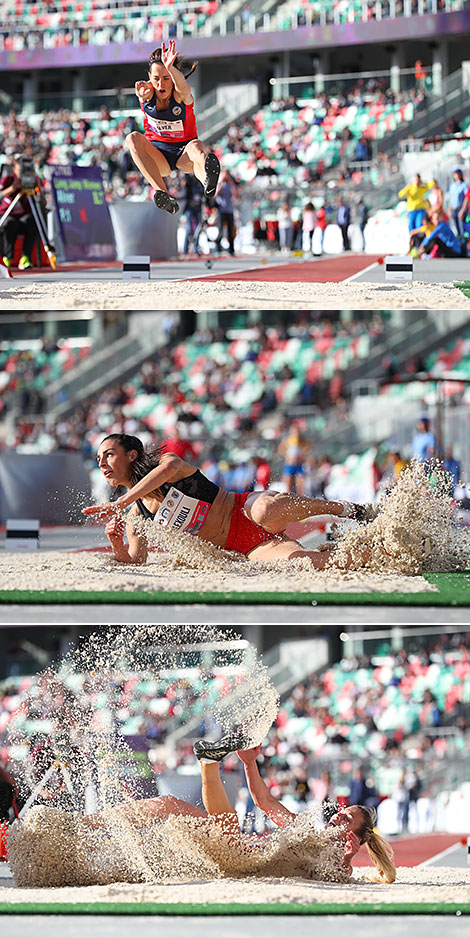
pixel 226 399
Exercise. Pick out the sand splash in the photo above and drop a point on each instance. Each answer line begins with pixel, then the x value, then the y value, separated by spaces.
pixel 51 847
pixel 416 530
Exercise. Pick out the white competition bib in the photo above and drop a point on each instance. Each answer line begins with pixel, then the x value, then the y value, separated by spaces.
pixel 182 512
pixel 174 128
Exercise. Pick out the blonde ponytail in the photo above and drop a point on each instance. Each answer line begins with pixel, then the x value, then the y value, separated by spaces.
pixel 379 850
pixel 381 855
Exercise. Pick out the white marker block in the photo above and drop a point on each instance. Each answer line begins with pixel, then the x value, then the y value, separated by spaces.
pixel 398 268
pixel 22 534
pixel 136 267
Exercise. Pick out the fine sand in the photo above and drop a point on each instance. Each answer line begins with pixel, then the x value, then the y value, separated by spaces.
pixel 236 294
pixel 165 573
pixel 431 884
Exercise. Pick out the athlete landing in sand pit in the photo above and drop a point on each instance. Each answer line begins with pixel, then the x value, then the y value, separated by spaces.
pixel 170 138
pixel 354 824
pixel 175 494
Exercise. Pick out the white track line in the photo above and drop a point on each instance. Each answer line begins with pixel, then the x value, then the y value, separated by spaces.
pixel 361 272
pixel 439 856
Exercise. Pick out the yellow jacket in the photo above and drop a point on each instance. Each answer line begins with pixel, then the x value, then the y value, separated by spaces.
pixel 415 194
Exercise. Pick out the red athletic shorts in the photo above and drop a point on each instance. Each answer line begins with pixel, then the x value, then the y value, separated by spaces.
pixel 244 534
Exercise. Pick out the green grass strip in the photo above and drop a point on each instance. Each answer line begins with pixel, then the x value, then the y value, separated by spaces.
pixel 464 286
pixel 454 590
pixel 234 908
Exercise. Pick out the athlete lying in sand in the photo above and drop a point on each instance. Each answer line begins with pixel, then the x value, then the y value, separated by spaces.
pixel 355 823
pixel 174 493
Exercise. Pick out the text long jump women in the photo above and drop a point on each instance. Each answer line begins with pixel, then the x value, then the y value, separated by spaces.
pixel 170 139
pixel 176 494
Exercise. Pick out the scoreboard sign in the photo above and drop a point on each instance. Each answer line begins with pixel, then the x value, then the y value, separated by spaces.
pixel 83 214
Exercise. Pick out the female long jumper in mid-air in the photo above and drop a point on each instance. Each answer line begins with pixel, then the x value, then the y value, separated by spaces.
pixel 170 138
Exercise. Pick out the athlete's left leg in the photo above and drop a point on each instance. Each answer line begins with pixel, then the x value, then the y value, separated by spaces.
pixel 197 158
pixel 275 510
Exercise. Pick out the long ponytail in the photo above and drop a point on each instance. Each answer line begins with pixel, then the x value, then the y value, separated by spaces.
pixel 379 850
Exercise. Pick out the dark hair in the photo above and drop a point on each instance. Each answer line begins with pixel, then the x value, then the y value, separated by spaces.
pixel 180 63
pixel 145 461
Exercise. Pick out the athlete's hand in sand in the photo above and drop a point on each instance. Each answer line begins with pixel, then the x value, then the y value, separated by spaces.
pixel 351 847
pixel 144 90
pixel 115 529
pixel 249 755
pixel 169 55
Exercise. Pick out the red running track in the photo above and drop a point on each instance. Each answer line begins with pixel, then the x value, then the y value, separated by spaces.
pixel 411 851
pixel 325 270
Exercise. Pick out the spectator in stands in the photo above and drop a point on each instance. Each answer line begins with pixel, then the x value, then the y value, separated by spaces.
pixel 262 473
pixel 286 227
pixel 224 198
pixel 362 219
pixel 363 151
pixel 417 235
pixel 8 794
pixel 179 446
pixel 442 242
pixel 321 225
pixel 465 210
pixel 20 222
pixel 294 448
pixel 415 193
pixel 170 138
pixel 343 218
pixel 452 467
pixel 424 441
pixel 456 198
pixel 308 225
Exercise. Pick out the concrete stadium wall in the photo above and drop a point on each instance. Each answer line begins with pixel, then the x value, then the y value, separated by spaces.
pixel 53 487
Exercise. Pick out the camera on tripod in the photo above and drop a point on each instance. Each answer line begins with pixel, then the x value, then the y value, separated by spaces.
pixel 27 173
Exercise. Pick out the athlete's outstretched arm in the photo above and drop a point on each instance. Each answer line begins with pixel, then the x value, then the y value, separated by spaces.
pixel 177 77
pixel 260 793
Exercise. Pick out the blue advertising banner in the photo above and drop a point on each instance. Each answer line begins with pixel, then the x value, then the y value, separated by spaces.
pixel 83 214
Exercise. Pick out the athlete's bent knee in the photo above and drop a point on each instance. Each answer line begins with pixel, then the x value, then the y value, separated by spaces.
pixel 195 147
pixel 132 139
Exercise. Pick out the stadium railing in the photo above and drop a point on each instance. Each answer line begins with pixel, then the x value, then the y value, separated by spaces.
pixel 108 23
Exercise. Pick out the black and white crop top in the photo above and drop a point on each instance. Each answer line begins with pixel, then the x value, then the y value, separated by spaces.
pixel 185 504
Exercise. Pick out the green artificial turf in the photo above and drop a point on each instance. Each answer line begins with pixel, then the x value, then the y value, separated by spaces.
pixel 454 590
pixel 234 908
pixel 464 286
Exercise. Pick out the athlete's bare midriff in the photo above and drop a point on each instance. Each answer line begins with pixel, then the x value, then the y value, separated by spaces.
pixel 217 524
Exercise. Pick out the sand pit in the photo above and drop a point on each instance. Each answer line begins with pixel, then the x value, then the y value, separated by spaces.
pixel 237 294
pixel 164 574
pixel 413 885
